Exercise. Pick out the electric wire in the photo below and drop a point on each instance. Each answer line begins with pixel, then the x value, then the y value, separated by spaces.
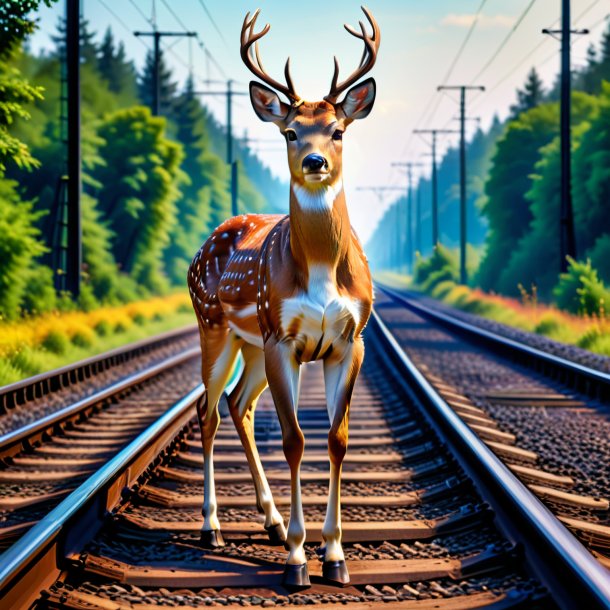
pixel 431 108
pixel 213 22
pixel 123 24
pixel 505 41
pixel 142 13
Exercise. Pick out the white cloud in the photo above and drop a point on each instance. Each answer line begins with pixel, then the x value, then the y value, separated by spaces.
pixel 485 21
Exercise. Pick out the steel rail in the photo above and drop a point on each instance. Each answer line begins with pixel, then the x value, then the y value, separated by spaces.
pixel 34 561
pixel 578 372
pixel 575 578
pixel 24 437
pixel 36 386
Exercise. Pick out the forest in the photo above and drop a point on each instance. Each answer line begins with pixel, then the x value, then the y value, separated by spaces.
pixel 153 187
pixel 514 189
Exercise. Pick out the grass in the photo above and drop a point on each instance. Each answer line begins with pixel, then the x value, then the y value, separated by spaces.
pixel 591 332
pixel 42 343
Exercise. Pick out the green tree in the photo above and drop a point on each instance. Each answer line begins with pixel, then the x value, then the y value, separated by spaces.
pixel 591 188
pixel 167 87
pixel 535 258
pixel 194 208
pixel 505 206
pixel 530 96
pixel 116 70
pixel 88 47
pixel 139 186
pixel 20 245
pixel 15 24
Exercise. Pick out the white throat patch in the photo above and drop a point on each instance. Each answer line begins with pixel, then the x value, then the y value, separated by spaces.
pixel 318 200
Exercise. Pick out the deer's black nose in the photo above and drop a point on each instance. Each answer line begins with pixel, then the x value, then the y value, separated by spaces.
pixel 314 163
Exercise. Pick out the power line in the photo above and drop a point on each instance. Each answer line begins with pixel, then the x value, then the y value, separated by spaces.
pixel 505 41
pixel 142 13
pixel 122 23
pixel 516 67
pixel 461 49
pixel 583 13
pixel 174 15
pixel 430 110
pixel 218 30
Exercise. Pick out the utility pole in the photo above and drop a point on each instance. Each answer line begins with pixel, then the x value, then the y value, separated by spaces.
pixel 232 163
pixel 434 133
pixel 409 225
pixel 567 238
pixel 395 236
pixel 73 238
pixel 156 88
pixel 463 219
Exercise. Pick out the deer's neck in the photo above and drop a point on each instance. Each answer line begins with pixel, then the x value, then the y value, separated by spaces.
pixel 320 232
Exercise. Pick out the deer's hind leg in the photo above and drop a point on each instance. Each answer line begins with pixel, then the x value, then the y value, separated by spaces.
pixel 242 404
pixel 219 347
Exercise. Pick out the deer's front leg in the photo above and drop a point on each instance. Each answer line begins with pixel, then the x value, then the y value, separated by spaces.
pixel 340 373
pixel 283 376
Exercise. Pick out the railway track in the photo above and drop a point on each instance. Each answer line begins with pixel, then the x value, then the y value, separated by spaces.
pixel 431 517
pixel 30 399
pixel 523 403
pixel 44 460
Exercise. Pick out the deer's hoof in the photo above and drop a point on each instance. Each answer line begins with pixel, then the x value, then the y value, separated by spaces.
pixel 296 577
pixel 277 535
pixel 211 539
pixel 335 572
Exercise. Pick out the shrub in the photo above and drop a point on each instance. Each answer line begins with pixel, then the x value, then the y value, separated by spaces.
pixel 56 341
pixel 103 328
pixel 86 298
pixel 548 326
pixel 40 295
pixel 581 291
pixel 83 337
pixel 9 373
pixel 65 302
pixel 598 343
pixel 441 259
pixel 28 361
pixel 458 296
pixel 185 308
pixel 442 289
pixel 435 278
pixel 589 337
pixel 139 318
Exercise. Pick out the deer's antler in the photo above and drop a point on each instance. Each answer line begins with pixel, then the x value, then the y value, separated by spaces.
pixel 253 60
pixel 369 56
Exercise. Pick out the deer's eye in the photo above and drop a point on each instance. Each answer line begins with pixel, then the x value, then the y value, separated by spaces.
pixel 337 134
pixel 291 135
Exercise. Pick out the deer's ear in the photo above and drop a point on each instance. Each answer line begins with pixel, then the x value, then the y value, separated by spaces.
pixel 359 100
pixel 267 104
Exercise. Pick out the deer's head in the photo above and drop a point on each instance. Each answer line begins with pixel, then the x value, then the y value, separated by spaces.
pixel 313 130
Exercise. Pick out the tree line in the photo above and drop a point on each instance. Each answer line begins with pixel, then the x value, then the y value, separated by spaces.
pixel 153 187
pixel 514 186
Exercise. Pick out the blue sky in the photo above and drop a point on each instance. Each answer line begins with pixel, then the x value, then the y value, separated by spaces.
pixel 419 42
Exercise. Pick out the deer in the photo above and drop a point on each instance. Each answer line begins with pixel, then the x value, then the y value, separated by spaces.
pixel 284 291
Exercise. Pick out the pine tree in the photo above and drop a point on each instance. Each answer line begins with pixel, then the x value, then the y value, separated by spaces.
pixel 530 96
pixel 587 80
pixel 167 87
pixel 603 66
pixel 88 48
pixel 204 187
pixel 115 69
